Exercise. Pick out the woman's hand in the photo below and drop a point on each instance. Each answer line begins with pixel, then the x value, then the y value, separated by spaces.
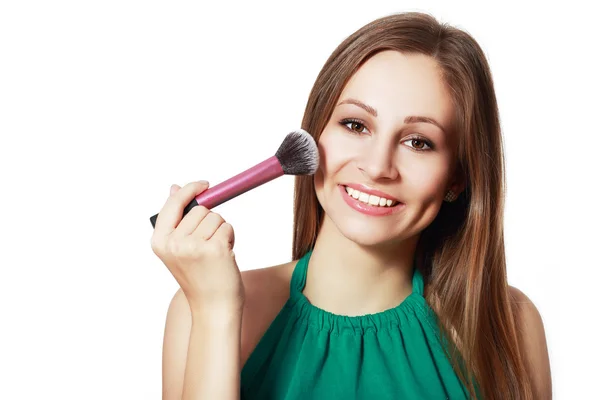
pixel 198 251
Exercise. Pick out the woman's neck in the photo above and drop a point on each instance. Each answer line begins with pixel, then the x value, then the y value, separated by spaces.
pixel 349 279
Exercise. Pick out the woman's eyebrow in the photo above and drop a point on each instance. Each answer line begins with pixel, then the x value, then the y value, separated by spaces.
pixel 360 104
pixel 411 119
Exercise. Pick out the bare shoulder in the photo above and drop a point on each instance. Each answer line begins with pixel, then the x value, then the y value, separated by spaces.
pixel 267 289
pixel 531 333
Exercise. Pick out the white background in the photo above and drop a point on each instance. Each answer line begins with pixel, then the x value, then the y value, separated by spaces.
pixel 105 104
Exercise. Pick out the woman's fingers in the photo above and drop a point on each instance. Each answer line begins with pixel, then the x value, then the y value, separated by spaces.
pixel 171 213
pixel 191 220
pixel 198 251
pixel 225 234
pixel 208 226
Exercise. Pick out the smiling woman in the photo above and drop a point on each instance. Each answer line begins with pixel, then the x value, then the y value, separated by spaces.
pixel 419 102
pixel 397 288
pixel 384 140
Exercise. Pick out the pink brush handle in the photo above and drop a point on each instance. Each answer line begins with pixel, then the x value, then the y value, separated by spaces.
pixel 259 174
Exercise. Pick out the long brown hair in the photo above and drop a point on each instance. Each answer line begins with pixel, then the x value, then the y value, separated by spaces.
pixel 461 253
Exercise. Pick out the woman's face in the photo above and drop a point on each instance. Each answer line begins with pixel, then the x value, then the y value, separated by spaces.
pixel 370 141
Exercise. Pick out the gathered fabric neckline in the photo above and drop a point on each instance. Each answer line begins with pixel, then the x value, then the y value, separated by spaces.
pixel 391 318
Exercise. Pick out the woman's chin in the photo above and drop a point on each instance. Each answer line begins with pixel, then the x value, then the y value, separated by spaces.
pixel 364 236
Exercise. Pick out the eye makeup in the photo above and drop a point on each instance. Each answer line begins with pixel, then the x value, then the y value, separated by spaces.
pixel 344 122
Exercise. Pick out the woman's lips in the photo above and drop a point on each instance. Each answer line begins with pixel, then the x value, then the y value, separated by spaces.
pixel 368 190
pixel 367 208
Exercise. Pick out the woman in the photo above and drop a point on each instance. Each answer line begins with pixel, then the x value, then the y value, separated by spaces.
pixel 398 286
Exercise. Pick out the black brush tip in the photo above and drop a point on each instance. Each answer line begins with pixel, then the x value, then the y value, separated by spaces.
pixel 298 154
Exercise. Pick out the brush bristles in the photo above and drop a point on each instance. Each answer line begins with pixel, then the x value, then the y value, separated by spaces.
pixel 298 154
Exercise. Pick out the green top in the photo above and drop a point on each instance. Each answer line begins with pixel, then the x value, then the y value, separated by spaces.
pixel 310 353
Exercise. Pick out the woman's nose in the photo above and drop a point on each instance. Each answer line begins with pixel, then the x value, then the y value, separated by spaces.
pixel 378 162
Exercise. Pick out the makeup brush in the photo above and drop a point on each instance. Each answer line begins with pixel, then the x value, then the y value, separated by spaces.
pixel 297 155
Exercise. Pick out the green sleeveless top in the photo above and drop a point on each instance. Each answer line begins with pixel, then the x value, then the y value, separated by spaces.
pixel 310 353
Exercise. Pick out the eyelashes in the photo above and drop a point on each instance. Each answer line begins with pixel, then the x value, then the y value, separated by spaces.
pixel 357 123
pixel 354 122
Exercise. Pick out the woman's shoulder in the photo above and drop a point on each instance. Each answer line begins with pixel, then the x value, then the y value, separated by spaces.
pixel 265 285
pixel 267 290
pixel 531 334
pixel 263 278
pixel 526 314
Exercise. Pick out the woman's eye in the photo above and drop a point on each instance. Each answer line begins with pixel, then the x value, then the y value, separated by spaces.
pixel 354 126
pixel 419 143
pixel 357 127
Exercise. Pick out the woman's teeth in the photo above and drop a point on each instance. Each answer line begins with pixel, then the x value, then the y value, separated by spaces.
pixel 370 199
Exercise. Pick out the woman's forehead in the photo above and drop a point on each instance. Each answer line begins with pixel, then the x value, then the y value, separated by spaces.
pixel 392 82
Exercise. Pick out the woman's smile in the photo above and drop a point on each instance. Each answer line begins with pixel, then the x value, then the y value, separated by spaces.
pixel 369 204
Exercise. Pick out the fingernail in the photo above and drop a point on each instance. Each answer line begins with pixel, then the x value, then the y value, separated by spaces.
pixel 203 182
